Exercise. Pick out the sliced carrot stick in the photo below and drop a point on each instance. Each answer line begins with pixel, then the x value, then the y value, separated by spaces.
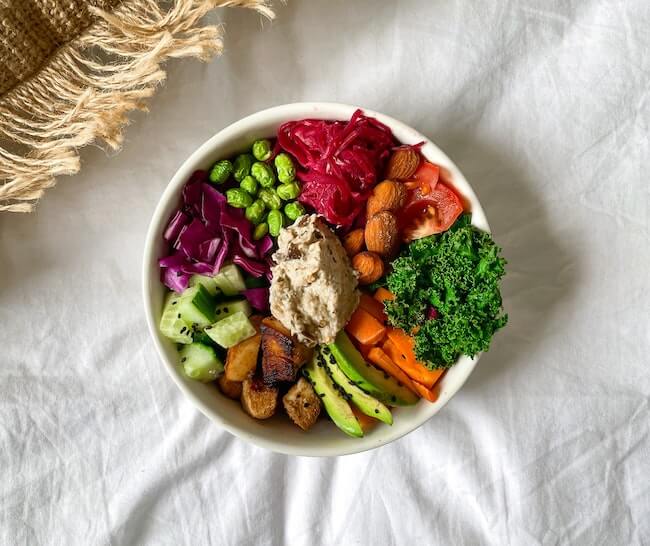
pixel 364 349
pixel 399 347
pixel 373 306
pixel 381 294
pixel 428 394
pixel 380 359
pixel 365 421
pixel 365 328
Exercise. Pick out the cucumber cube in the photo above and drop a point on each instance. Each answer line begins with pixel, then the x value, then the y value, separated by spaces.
pixel 230 280
pixel 200 362
pixel 196 306
pixel 231 330
pixel 172 325
pixel 228 308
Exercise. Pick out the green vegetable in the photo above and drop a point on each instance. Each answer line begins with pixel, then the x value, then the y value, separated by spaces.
pixel 255 211
pixel 263 174
pixel 220 171
pixel 249 184
pixel 293 210
pixel 260 231
pixel 285 167
pixel 275 220
pixel 242 166
pixel 270 198
pixel 238 198
pixel 288 191
pixel 262 149
pixel 457 273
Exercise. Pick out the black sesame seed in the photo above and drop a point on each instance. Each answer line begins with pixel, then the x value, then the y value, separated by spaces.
pixel 322 394
pixel 174 302
pixel 386 376
pixel 183 330
pixel 376 410
pixel 305 405
pixel 225 309
pixel 179 315
pixel 393 399
pixel 183 359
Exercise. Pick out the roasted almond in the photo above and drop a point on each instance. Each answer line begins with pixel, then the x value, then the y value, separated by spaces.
pixel 369 266
pixel 382 234
pixel 353 242
pixel 387 195
pixel 403 163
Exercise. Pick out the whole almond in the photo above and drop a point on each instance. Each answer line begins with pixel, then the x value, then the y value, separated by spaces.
pixel 403 163
pixel 369 266
pixel 382 234
pixel 387 195
pixel 353 242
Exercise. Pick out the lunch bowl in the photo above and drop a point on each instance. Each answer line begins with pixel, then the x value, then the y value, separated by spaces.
pixel 278 433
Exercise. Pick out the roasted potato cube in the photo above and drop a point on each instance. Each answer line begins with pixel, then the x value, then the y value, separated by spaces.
pixel 302 404
pixel 257 399
pixel 272 322
pixel 232 389
pixel 282 355
pixel 241 359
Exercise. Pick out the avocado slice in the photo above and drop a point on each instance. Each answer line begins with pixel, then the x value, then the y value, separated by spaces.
pixel 375 382
pixel 335 405
pixel 366 403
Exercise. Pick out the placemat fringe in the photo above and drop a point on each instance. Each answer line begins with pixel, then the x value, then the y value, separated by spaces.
pixel 91 84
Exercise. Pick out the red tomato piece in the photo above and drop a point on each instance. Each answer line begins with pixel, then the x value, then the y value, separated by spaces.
pixel 424 181
pixel 432 213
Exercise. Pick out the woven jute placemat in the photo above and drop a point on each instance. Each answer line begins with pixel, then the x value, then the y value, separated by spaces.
pixel 71 70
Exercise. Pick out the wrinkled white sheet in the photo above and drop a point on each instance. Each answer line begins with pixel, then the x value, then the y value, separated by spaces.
pixel 544 105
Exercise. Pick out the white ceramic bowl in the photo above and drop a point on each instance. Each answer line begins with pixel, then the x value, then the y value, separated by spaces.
pixel 277 433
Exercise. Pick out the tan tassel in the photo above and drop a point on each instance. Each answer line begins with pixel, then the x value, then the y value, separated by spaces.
pixel 77 99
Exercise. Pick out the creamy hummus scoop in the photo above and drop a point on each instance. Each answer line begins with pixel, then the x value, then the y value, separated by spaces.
pixel 314 288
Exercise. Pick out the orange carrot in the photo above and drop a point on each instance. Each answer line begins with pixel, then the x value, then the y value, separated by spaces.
pixel 428 394
pixel 373 306
pixel 363 349
pixel 380 359
pixel 365 328
pixel 365 421
pixel 399 347
pixel 381 294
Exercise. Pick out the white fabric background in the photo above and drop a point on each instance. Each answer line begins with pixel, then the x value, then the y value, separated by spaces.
pixel 545 107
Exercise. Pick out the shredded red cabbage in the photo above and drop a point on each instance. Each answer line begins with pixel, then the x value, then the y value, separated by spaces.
pixel 258 298
pixel 205 232
pixel 339 162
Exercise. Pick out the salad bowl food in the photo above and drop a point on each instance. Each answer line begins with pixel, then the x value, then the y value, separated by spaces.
pixel 320 280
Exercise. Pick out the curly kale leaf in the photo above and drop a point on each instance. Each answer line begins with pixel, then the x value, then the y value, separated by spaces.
pixel 457 273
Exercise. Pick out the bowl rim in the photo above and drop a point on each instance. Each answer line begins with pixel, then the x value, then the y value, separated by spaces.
pixel 287 112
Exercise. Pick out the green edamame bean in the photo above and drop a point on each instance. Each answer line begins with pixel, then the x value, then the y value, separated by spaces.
pixel 220 171
pixel 288 191
pixel 236 197
pixel 242 166
pixel 293 210
pixel 285 167
pixel 249 184
pixel 263 174
pixel 275 220
pixel 262 149
pixel 260 231
pixel 270 198
pixel 255 211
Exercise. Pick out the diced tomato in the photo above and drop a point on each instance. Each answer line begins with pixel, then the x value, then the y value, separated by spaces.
pixel 432 213
pixel 423 182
